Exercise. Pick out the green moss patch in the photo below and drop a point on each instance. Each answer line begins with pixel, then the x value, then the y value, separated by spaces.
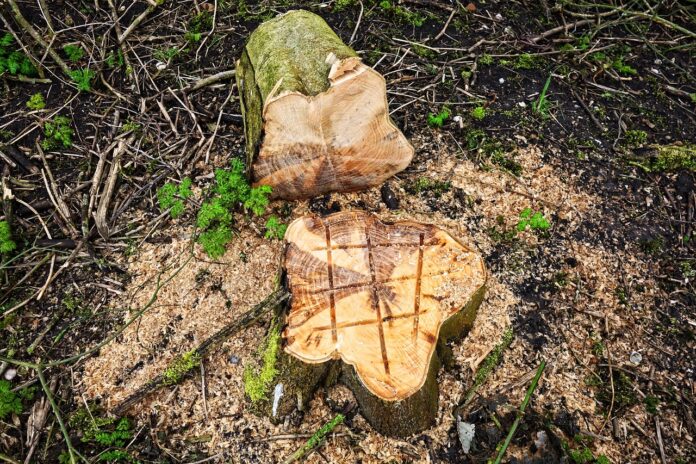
pixel 181 366
pixel 257 382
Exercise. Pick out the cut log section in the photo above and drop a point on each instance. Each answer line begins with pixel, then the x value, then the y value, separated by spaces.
pixel 380 298
pixel 316 118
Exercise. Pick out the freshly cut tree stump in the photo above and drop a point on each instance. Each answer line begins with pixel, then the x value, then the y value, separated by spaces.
pixel 316 118
pixel 381 298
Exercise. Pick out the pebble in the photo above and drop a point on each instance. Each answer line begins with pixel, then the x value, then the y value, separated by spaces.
pixel 234 359
pixel 522 104
pixel 501 80
pixel 636 357
pixel 10 374
pixel 389 198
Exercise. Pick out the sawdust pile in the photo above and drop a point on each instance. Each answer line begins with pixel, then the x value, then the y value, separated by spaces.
pixel 204 296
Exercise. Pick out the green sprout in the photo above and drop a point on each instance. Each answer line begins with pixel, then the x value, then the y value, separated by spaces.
pixel 478 113
pixel 230 193
pixel 535 221
pixel 168 193
pixel 437 120
pixel 527 61
pixel 402 14
pixel 13 61
pixel 10 402
pixel 83 78
pixel 200 23
pixel 486 60
pixel 7 245
pixel 622 68
pixel 114 60
pixel 275 229
pixel 130 126
pixel 73 52
pixel 57 132
pixel 541 106
pixel 36 102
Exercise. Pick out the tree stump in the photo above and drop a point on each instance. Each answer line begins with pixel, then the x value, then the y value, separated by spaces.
pixel 316 118
pixel 376 301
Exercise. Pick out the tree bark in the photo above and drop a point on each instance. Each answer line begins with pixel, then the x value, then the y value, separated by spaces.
pixel 315 118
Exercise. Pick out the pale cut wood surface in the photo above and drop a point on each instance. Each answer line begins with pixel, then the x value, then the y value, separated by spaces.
pixel 339 140
pixel 375 295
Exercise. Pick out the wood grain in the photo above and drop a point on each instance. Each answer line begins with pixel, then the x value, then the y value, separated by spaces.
pixel 375 295
pixel 340 140
pixel 316 118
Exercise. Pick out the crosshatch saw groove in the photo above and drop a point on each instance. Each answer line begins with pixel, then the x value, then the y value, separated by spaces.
pixel 378 308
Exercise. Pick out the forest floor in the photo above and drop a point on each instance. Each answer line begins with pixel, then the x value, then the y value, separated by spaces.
pixel 557 111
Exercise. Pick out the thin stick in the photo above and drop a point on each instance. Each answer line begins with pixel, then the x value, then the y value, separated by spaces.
pixel 315 439
pixel 6 458
pixel 613 392
pixel 659 440
pixel 357 25
pixel 520 413
pixel 565 27
pixel 135 23
pixel 71 451
pixel 21 20
pixel 444 28
pixel 217 125
pixel 489 363
pixel 199 84
pixel 100 215
pixel 47 15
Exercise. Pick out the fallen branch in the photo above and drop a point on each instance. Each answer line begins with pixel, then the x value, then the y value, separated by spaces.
pixel 107 193
pixel 24 24
pixel 199 84
pixel 520 412
pixel 564 28
pixel 183 365
pixel 487 366
pixel 315 440
pixel 136 22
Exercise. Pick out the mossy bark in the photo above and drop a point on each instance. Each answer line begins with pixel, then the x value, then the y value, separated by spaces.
pixel 286 54
pixel 419 411
pixel 293 384
pixel 292 388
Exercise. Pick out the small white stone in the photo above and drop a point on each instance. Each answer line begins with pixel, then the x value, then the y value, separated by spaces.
pixel 161 66
pixel 10 374
pixel 522 104
pixel 277 395
pixel 636 357
pixel 466 432
pixel 501 80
